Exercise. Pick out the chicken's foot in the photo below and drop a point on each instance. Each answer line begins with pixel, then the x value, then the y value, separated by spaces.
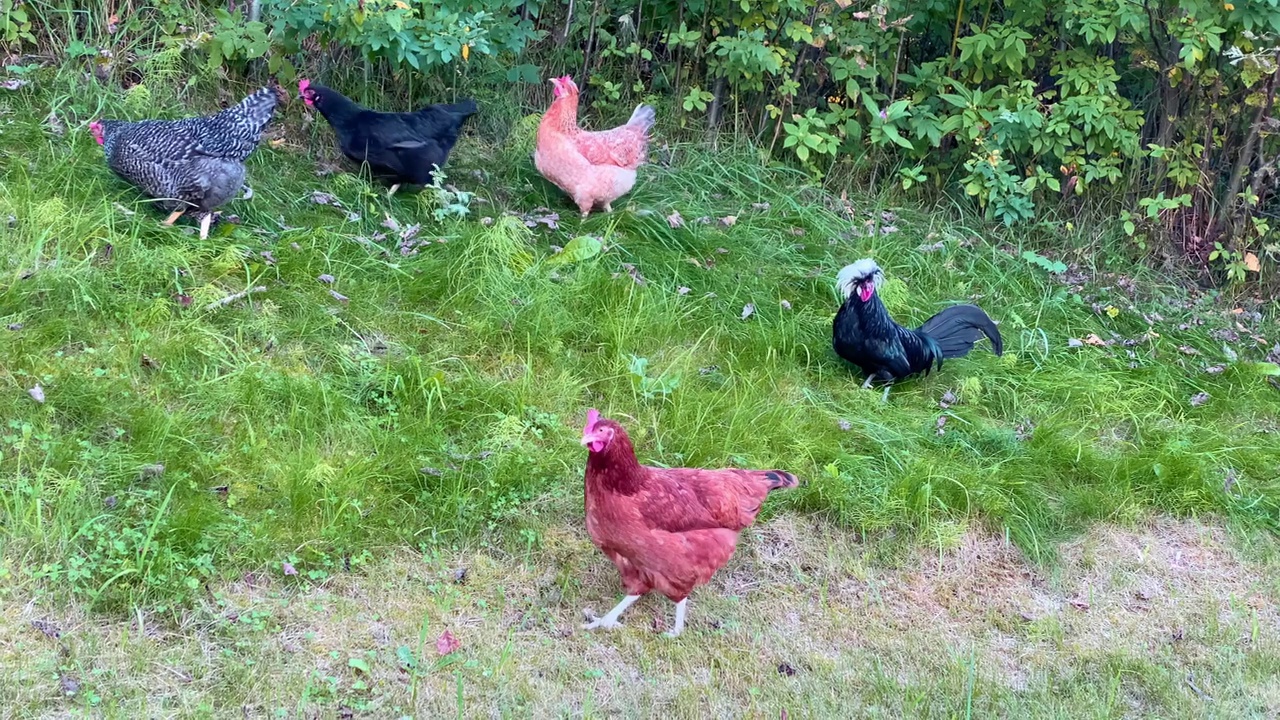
pixel 610 621
pixel 680 610
pixel 867 384
pixel 204 225
pixel 173 217
pixel 885 398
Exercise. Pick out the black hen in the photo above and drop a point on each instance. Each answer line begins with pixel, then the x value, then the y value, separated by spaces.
pixel 402 147
pixel 189 164
pixel 865 335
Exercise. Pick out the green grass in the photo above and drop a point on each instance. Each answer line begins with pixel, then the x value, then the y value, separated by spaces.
pixel 438 406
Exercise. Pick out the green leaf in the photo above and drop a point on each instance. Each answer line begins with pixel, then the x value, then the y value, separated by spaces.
pixel 583 247
pixel 802 152
pixel 406 657
pixel 360 664
pixel 896 137
pixel 1267 369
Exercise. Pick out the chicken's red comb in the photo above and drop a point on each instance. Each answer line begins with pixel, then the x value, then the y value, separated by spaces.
pixel 303 84
pixel 593 417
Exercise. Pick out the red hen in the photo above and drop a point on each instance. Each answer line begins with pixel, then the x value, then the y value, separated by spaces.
pixel 668 530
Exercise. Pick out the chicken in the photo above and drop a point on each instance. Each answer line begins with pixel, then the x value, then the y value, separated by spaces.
pixel 402 147
pixel 593 168
pixel 189 164
pixel 865 335
pixel 665 529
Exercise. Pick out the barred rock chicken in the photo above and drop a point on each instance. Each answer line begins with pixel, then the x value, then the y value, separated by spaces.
pixel 404 147
pixel 189 164
pixel 865 335
pixel 666 529
pixel 593 168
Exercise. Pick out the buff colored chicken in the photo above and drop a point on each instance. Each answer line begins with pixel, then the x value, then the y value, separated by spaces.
pixel 593 168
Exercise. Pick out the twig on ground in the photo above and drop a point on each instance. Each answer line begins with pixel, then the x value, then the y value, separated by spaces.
pixel 234 297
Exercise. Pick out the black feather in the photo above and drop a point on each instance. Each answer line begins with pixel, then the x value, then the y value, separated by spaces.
pixel 402 147
pixel 864 334
pixel 957 328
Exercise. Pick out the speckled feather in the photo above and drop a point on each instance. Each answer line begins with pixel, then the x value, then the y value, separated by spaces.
pixel 193 162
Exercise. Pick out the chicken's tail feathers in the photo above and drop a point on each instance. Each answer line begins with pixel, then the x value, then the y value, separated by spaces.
pixel 464 109
pixel 779 479
pixel 956 329
pixel 644 117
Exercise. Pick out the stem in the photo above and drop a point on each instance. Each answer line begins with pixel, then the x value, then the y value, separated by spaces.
pixel 1245 159
pixel 955 34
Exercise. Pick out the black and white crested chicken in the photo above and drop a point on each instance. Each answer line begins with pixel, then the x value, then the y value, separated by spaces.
pixel 402 147
pixel 865 335
pixel 189 164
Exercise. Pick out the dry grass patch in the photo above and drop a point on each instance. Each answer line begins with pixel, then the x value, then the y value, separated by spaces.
pixel 805 619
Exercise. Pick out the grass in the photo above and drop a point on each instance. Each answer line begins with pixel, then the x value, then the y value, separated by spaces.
pixel 293 467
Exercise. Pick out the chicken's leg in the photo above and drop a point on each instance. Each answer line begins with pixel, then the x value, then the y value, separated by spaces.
pixel 679 628
pixel 204 225
pixel 885 398
pixel 867 384
pixel 173 217
pixel 393 189
pixel 610 621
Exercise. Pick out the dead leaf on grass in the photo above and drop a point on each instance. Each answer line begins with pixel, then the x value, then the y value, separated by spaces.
pixel 37 393
pixel 748 310
pixel 674 219
pixel 729 220
pixel 1199 399
pixel 1188 350
pixel 447 643
pixel 288 568
pixel 1251 263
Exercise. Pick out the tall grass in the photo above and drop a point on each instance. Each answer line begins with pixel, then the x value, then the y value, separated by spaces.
pixel 442 397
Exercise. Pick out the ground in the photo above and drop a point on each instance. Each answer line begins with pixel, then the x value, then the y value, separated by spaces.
pixel 1166 618
pixel 267 471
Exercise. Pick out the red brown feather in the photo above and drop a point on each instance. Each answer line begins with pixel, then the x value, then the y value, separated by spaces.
pixel 668 530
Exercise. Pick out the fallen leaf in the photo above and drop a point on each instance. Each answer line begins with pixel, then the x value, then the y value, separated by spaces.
pixel 447 643
pixel 324 198
pixel 941 425
pixel 729 220
pixel 57 128
pixel 326 278
pixel 760 206
pixel 1188 350
pixel 460 576
pixel 1215 369
pixel 37 393
pixel 1199 399
pixel 1251 263
pixel 785 668
pixel 674 219
pixel 1094 340
pixel 682 290
pixel 183 300
pixel 268 256
pixel 339 296
pixel 289 569
pixel 13 84
pixel 147 362
pixel 124 210
pixel 748 310
pixel 947 400
pixel 15 326
pixel 844 424
pixel 70 686
pixel 49 629
pixel 1074 342
pixel 786 305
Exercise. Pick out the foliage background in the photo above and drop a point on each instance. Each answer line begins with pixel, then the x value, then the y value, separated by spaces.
pixel 1160 112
